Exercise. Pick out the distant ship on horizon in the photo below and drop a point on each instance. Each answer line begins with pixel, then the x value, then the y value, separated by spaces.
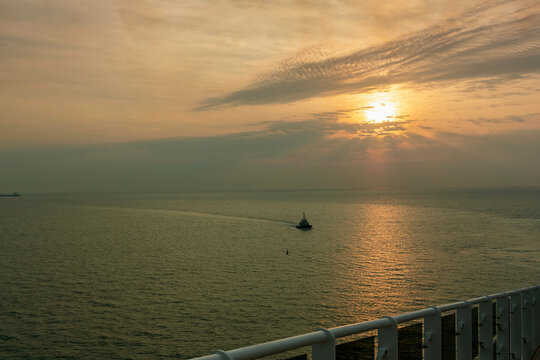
pixel 15 194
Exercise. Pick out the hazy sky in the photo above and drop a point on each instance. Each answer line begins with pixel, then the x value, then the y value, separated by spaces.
pixel 198 95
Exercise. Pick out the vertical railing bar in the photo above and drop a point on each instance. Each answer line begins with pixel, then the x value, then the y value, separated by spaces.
pixel 432 335
pixel 223 355
pixel 325 350
pixel 535 302
pixel 464 331
pixel 503 329
pixel 387 339
pixel 515 326
pixel 485 322
pixel 527 341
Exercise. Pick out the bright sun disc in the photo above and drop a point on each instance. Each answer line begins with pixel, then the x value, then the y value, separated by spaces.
pixel 380 112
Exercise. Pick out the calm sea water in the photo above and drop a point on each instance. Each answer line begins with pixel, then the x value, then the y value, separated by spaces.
pixel 157 276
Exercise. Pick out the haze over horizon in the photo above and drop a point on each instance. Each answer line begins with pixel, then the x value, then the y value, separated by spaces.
pixel 179 96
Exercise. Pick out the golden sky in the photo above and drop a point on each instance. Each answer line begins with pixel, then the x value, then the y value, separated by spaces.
pixel 390 81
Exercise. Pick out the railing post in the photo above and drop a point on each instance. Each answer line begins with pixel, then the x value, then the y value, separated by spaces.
pixel 432 335
pixel 515 326
pixel 503 328
pixel 464 332
pixel 527 324
pixel 535 303
pixel 223 355
pixel 387 338
pixel 325 350
pixel 485 321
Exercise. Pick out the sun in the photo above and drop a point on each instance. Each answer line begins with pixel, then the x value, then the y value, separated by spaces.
pixel 380 112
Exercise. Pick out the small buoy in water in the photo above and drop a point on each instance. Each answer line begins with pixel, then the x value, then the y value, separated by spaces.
pixel 286 251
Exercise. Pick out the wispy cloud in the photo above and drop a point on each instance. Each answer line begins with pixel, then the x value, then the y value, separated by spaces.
pixel 497 40
pixel 506 119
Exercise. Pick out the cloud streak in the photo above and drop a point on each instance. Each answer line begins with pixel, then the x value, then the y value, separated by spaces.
pixel 491 40
pixel 525 118
pixel 508 119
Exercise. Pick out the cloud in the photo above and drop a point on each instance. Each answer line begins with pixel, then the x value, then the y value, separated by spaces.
pixel 506 119
pixel 314 153
pixel 496 40
pixel 337 123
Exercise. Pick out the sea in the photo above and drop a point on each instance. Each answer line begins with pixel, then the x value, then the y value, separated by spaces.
pixel 179 275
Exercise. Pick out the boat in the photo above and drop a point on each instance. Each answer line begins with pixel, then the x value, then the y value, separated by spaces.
pixel 304 224
pixel 14 194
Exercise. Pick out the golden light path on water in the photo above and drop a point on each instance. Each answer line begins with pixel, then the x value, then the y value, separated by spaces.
pixel 382 264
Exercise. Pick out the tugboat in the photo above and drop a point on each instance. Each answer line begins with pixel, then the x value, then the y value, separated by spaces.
pixel 304 224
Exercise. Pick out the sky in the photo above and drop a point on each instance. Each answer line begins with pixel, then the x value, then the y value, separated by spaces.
pixel 173 95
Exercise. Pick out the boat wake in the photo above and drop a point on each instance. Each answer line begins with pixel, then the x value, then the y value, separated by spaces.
pixel 196 213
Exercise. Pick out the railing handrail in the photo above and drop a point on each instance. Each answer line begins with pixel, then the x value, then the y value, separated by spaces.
pixel 321 336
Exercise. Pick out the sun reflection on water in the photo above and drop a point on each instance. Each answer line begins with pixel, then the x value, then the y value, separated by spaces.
pixel 384 261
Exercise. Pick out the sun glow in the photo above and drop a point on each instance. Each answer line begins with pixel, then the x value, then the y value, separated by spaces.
pixel 380 112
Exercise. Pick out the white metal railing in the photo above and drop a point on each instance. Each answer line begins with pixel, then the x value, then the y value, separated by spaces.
pixel 517 329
